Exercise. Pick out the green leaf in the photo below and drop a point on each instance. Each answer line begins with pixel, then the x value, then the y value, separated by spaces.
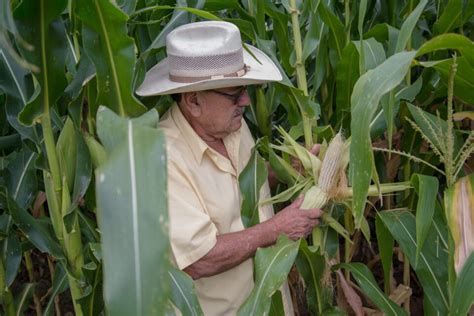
pixel 452 16
pixel 347 73
pixel 385 243
pixel 21 179
pixel 336 28
pixel 311 265
pixel 182 293
pixel 272 266
pixel 449 41
pixel 38 233
pixel 133 220
pixel 463 295
pixel 40 25
pixel 280 34
pixel 408 26
pixel 374 53
pixel 463 80
pixel 427 188
pixel 251 179
pixel 60 284
pixel 11 252
pixel 365 99
pixel 369 286
pixel 112 130
pixel 23 300
pixel 113 53
pixel 432 268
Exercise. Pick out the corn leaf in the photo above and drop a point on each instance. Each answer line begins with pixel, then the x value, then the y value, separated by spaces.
pixel 408 25
pixel 21 178
pixel 463 80
pixel 133 219
pixel 459 205
pixel 365 100
pixel 11 256
pixel 463 295
pixel 59 285
pixel 346 76
pixel 251 179
pixel 39 24
pixel 112 51
pixel 336 28
pixel 431 269
pixel 453 16
pixel 427 188
pixel 385 243
pixel 449 41
pixel 272 266
pixel 311 264
pixel 369 286
pixel 182 293
pixel 374 53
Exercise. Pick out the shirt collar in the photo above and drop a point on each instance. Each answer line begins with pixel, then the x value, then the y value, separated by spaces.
pixel 198 145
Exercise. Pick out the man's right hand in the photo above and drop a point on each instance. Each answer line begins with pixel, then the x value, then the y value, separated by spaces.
pixel 294 221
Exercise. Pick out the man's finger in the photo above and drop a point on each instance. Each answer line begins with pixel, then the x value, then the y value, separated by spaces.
pixel 315 149
pixel 314 213
pixel 299 200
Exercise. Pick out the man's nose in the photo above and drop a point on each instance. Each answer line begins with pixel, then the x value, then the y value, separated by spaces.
pixel 244 99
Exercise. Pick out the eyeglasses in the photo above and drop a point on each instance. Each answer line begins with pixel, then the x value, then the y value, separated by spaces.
pixel 234 97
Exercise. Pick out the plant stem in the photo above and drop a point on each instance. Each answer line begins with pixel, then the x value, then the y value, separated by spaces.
pixel 5 295
pixel 449 161
pixel 347 17
pixel 300 72
pixel 31 277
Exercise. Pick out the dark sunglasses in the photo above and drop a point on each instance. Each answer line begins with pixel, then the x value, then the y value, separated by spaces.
pixel 234 97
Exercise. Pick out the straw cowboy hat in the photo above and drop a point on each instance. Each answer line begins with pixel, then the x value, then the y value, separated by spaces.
pixel 207 55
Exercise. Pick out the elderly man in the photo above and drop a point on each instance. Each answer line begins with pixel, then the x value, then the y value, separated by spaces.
pixel 208 145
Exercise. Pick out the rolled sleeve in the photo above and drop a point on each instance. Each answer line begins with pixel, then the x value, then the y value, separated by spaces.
pixel 192 232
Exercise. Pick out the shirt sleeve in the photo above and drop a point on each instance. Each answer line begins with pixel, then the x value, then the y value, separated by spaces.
pixel 192 232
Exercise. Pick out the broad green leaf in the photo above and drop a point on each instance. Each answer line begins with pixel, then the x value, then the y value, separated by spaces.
pixel 112 51
pixel 96 151
pixel 311 265
pixel 39 24
pixel 251 179
pixel 374 53
pixel 21 179
pixel 131 201
pixel 85 72
pixel 347 73
pixel 463 80
pixel 315 30
pixel 365 100
pixel 272 266
pixel 112 130
pixel 426 187
pixel 408 26
pixel 66 149
pixel 385 243
pixel 369 286
pixel 280 33
pixel 263 112
pixel 459 207
pixel 336 28
pixel 432 268
pixel 37 233
pixel 463 295
pixel 13 81
pixel 277 308
pixel 449 41
pixel 453 16
pixel 11 252
pixel 182 293
pixel 360 28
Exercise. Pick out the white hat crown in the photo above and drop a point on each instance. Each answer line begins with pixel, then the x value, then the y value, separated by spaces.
pixel 204 49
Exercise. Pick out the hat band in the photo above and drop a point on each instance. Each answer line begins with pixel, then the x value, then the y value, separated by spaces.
pixel 184 79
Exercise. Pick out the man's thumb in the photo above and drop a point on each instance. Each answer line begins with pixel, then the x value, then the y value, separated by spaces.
pixel 299 200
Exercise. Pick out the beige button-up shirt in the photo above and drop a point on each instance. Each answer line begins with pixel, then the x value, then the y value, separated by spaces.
pixel 204 201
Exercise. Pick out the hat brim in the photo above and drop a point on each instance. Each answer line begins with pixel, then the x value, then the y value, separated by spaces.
pixel 157 81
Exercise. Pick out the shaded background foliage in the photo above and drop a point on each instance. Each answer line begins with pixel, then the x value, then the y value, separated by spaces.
pixel 78 148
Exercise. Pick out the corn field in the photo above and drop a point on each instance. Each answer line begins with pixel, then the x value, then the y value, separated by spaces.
pixel 386 87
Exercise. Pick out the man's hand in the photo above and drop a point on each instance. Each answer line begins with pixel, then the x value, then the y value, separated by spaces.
pixel 295 222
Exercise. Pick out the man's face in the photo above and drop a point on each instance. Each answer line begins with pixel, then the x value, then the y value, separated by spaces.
pixel 222 110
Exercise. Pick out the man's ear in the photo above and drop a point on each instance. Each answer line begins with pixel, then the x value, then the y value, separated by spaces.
pixel 191 103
